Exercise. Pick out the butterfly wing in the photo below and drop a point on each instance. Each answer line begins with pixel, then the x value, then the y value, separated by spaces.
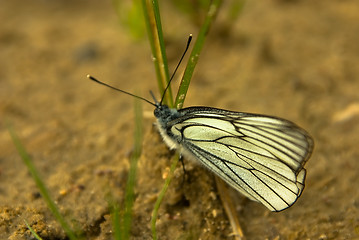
pixel 260 156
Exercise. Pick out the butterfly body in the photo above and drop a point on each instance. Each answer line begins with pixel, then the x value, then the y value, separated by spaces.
pixel 261 156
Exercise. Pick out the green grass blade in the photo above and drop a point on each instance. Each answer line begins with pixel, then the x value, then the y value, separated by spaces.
pixel 32 231
pixel 196 51
pixel 161 196
pixel 114 208
pixel 155 36
pixel 130 16
pixel 131 182
pixel 180 99
pixel 235 9
pixel 40 184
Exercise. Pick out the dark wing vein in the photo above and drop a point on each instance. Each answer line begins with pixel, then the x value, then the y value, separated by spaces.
pixel 274 142
pixel 203 154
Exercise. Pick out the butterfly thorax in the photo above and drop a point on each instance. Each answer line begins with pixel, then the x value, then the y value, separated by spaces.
pixel 164 114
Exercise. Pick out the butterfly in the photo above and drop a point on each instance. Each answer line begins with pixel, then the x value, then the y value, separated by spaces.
pixel 260 156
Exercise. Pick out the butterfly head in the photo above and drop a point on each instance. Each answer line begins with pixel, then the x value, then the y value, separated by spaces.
pixel 164 114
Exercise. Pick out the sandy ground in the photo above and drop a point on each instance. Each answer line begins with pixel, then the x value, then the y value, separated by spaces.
pixel 293 59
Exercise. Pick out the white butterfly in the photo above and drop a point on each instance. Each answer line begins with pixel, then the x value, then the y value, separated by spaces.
pixel 260 156
pixel 263 157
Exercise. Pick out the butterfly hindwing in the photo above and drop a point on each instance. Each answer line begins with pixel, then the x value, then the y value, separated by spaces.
pixel 260 156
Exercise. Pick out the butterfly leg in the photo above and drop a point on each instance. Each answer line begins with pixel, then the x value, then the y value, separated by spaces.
pixel 184 169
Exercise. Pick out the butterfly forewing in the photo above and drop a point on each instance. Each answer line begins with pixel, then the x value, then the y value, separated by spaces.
pixel 260 156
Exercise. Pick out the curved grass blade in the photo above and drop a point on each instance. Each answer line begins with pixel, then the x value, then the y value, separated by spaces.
pixel 32 231
pixel 40 185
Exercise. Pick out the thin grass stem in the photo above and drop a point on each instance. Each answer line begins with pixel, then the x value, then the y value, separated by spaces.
pixel 196 51
pixel 155 36
pixel 32 231
pixel 161 196
pixel 180 99
pixel 131 182
pixel 40 185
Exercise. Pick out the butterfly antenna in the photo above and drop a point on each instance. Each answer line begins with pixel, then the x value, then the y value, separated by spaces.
pixel 179 63
pixel 117 89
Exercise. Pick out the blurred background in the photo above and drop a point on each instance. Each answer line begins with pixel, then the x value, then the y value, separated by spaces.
pixel 288 58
